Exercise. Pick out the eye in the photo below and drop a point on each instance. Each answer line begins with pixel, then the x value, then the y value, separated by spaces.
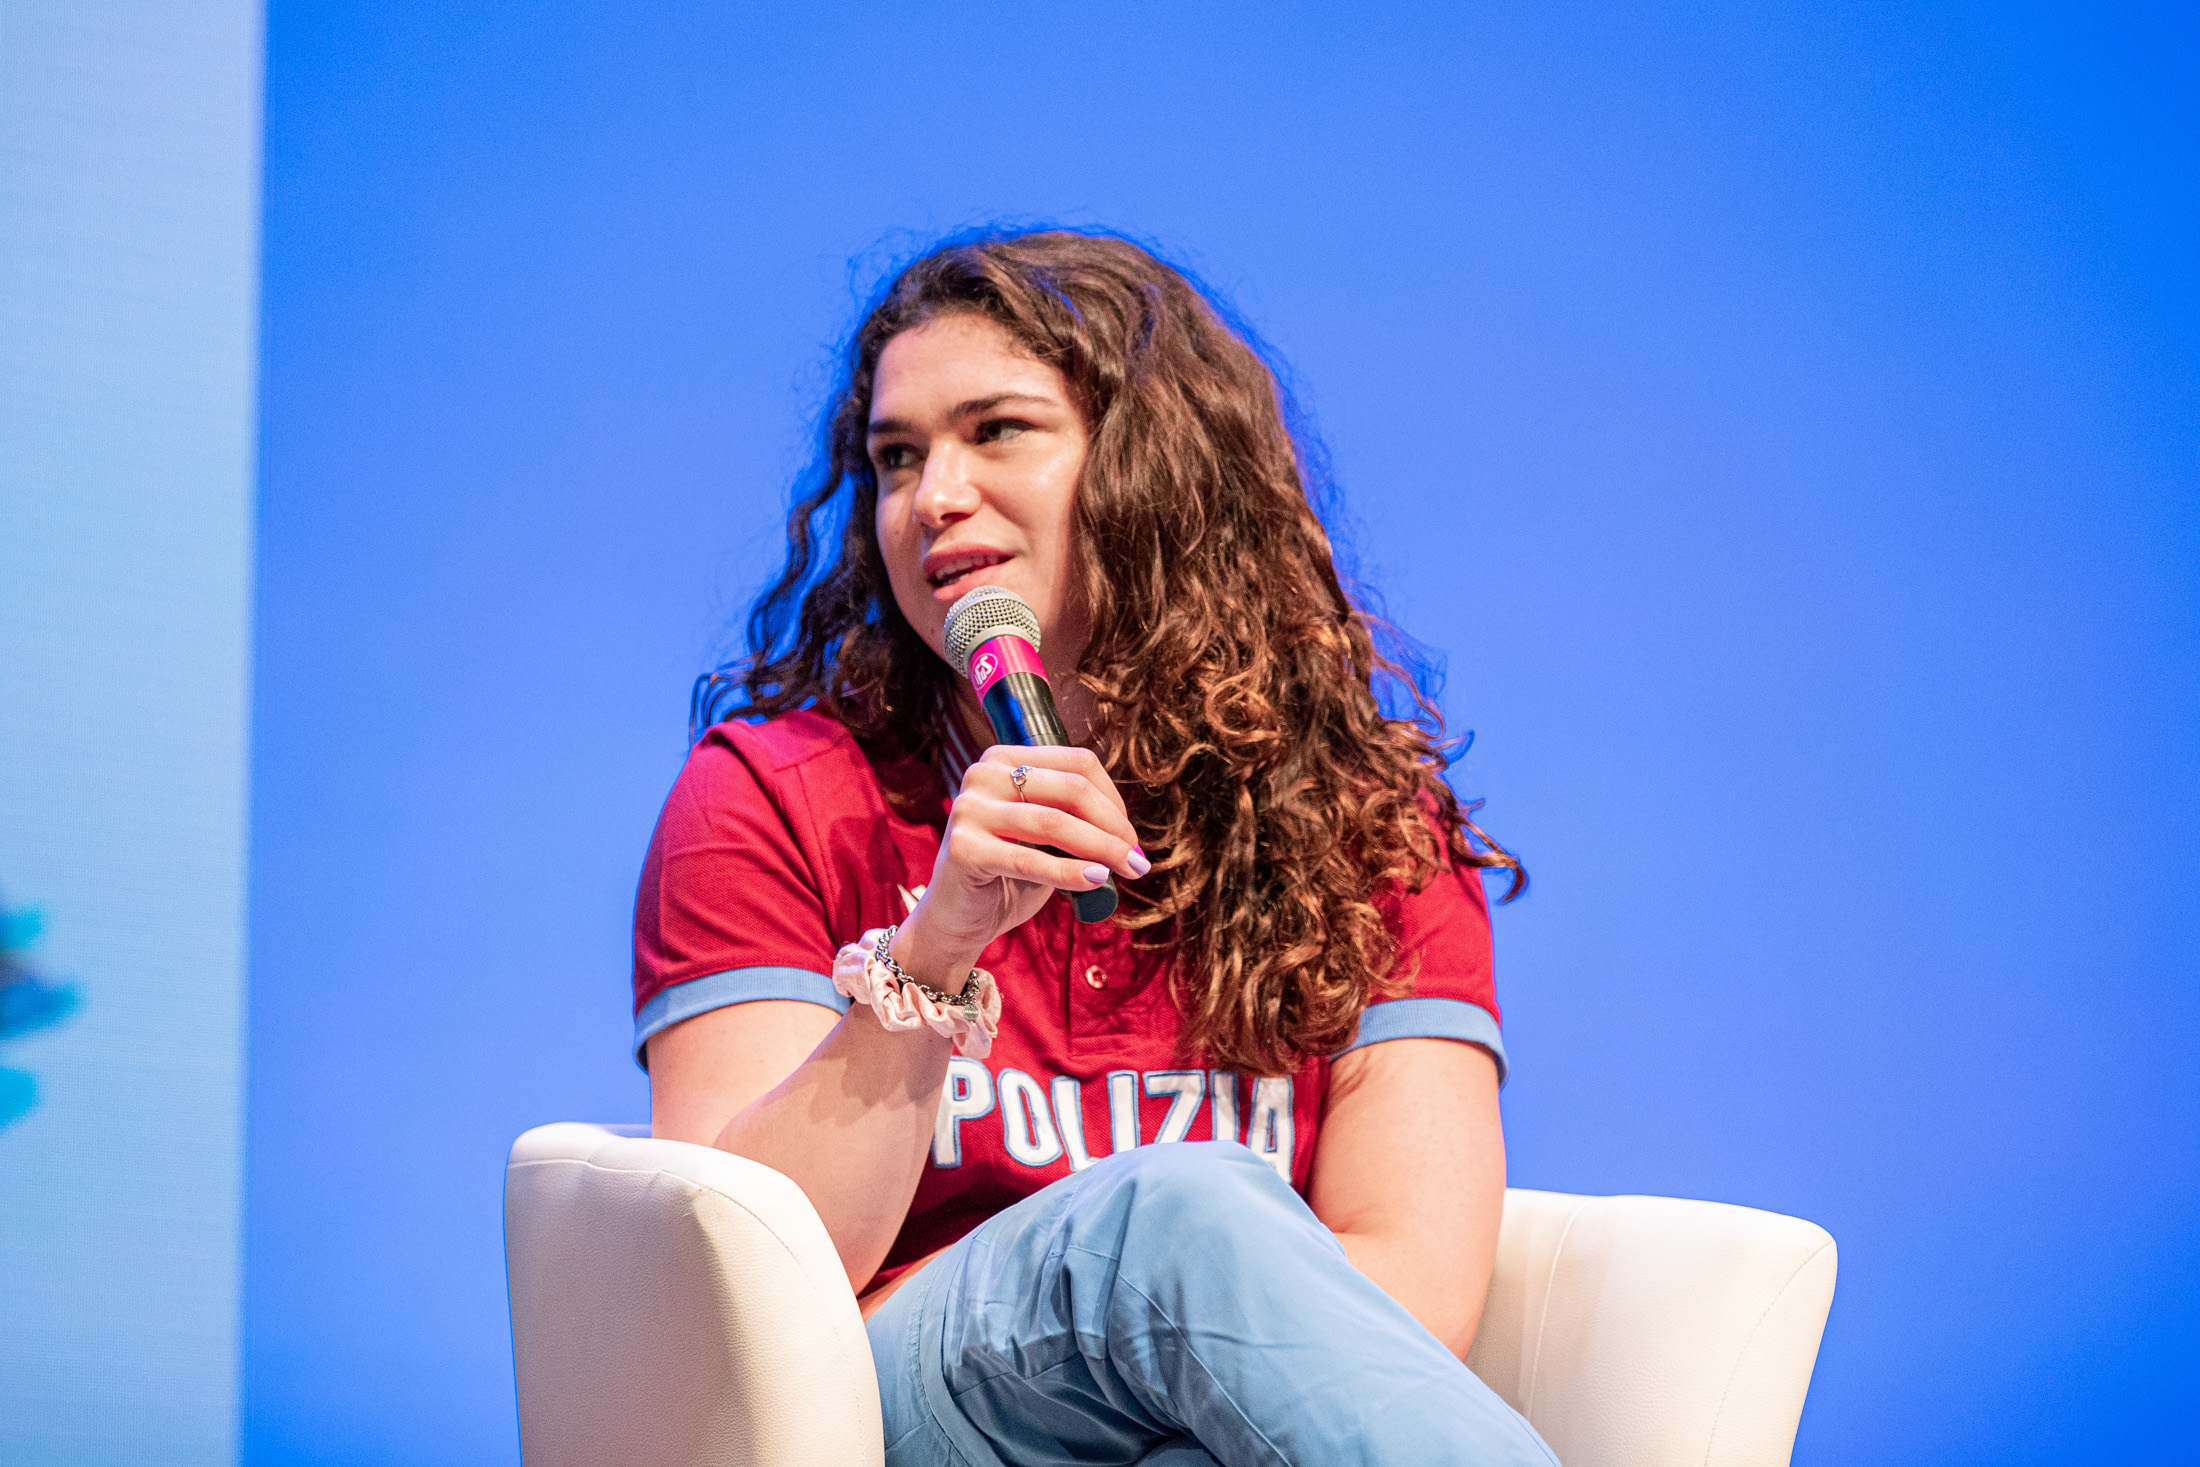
pixel 1000 430
pixel 892 456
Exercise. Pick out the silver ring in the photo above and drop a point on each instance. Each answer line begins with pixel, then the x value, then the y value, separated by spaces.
pixel 1017 776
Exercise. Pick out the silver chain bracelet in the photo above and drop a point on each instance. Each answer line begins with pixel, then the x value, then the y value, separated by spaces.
pixel 967 1000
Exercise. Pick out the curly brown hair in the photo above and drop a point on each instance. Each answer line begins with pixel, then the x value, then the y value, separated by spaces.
pixel 1235 684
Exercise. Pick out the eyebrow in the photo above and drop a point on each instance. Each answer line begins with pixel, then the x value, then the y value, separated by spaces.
pixel 969 408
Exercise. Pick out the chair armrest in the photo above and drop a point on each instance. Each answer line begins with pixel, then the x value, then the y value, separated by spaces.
pixel 1654 1332
pixel 678 1306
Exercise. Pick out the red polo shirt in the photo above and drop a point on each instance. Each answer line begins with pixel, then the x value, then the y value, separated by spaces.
pixel 783 840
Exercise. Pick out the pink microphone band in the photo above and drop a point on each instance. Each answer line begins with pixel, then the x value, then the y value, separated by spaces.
pixel 999 656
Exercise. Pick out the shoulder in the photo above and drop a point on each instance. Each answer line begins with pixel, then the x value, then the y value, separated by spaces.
pixel 807 767
pixel 781 743
pixel 779 841
pixel 803 747
pixel 1443 984
pixel 1450 893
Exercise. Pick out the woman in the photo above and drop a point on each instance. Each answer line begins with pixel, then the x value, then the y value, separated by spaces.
pixel 1296 990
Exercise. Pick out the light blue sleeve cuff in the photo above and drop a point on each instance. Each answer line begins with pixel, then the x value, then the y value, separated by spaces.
pixel 736 985
pixel 1432 1018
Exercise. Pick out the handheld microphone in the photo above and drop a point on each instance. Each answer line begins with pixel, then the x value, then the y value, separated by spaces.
pixel 993 635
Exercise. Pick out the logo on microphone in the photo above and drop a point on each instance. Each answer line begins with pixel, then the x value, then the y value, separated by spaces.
pixel 982 669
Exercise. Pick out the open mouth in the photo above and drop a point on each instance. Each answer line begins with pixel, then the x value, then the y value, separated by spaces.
pixel 948 572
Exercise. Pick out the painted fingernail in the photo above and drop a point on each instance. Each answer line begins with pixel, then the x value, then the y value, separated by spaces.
pixel 1097 875
pixel 1138 863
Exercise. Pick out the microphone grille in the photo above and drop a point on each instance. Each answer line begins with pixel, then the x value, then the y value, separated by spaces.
pixel 985 613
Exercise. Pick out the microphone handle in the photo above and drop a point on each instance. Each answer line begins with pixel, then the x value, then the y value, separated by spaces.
pixel 1021 707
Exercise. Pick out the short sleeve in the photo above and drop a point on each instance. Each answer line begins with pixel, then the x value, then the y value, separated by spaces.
pixel 1443 935
pixel 729 909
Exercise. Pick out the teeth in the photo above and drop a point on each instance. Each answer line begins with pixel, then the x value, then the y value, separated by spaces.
pixel 956 568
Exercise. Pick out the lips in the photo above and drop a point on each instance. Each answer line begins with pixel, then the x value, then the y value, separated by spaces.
pixel 944 570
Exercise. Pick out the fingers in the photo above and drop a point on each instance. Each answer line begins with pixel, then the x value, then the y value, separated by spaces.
pixel 1061 758
pixel 1067 835
pixel 1066 801
pixel 1054 789
pixel 982 852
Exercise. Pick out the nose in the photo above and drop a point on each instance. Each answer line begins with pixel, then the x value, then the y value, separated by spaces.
pixel 944 491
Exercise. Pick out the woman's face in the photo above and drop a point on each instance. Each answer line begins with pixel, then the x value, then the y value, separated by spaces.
pixel 978 449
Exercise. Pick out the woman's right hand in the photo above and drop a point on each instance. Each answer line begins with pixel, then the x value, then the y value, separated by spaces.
pixel 989 877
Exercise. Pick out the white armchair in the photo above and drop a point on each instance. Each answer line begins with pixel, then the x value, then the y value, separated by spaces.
pixel 676 1306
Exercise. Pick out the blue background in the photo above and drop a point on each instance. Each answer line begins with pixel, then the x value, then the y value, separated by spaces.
pixel 1782 419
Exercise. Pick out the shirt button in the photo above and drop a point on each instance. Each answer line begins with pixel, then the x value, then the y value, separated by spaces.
pixel 1095 977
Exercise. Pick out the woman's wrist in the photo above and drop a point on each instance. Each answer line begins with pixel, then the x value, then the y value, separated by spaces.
pixel 945 966
pixel 868 973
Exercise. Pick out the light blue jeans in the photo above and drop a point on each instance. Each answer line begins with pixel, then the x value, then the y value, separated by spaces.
pixel 1173 1306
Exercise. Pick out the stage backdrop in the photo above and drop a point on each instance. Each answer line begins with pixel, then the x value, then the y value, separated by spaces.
pixel 1782 420
pixel 129 260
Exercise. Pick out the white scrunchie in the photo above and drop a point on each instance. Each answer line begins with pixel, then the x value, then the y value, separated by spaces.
pixel 859 974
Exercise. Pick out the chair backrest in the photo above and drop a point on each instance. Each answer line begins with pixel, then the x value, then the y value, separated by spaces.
pixel 680 1307
pixel 1655 1332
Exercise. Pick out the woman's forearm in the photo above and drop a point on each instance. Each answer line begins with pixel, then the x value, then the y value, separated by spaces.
pixel 850 1127
pixel 1449 1306
pixel 852 1123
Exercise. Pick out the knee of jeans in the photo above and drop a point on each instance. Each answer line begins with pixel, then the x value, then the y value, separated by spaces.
pixel 1218 1183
